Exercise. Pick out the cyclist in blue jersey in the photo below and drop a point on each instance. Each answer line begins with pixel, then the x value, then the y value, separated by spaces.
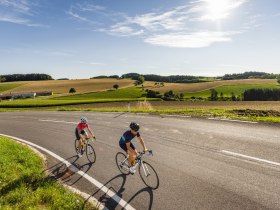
pixel 126 144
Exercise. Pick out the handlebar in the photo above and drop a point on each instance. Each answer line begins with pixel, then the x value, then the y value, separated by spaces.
pixel 149 152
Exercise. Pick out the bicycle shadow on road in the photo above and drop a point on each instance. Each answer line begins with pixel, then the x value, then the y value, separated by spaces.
pixel 60 171
pixel 110 202
pixel 150 193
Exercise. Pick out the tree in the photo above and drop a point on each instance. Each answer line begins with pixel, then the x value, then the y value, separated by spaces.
pixel 233 97
pixel 72 90
pixel 214 95
pixel 278 79
pixel 116 86
pixel 141 80
pixel 181 96
pixel 222 95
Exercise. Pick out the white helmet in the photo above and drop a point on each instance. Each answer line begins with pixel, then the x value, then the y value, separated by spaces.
pixel 83 120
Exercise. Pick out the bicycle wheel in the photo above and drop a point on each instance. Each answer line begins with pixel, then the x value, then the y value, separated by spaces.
pixel 90 153
pixel 76 145
pixel 121 160
pixel 149 175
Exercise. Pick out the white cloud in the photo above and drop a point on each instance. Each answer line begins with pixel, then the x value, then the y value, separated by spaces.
pixel 192 40
pixel 19 12
pixel 180 26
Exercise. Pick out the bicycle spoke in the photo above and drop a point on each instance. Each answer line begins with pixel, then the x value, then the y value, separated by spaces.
pixel 149 175
pixel 90 153
pixel 122 163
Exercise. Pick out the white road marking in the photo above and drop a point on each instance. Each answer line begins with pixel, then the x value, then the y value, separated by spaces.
pixel 106 190
pixel 59 121
pixel 251 158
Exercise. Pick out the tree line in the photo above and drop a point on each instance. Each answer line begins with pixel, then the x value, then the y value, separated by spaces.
pixel 24 77
pixel 249 75
pixel 262 94
pixel 193 79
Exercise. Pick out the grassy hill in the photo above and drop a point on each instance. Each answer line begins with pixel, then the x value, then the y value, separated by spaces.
pixel 63 86
pixel 131 92
pixel 227 90
pixel 198 87
pixel 6 87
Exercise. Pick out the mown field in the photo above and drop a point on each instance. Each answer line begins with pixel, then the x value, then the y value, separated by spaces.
pixel 6 87
pixel 131 92
pixel 227 91
pixel 63 86
pixel 199 87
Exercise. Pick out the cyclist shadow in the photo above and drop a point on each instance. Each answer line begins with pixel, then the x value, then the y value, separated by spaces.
pixel 61 171
pixel 110 202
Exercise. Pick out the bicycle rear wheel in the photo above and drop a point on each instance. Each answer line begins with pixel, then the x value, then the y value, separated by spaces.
pixel 149 175
pixel 122 163
pixel 90 153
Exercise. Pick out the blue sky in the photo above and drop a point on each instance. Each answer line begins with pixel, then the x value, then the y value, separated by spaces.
pixel 81 39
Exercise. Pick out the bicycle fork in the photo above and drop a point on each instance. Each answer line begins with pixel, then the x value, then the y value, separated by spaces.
pixel 145 168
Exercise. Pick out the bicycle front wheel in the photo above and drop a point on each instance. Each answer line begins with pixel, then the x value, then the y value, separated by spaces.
pixel 122 163
pixel 76 145
pixel 90 154
pixel 149 175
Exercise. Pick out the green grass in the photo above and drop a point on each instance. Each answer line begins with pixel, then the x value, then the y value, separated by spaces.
pixel 238 90
pixel 23 184
pixel 121 95
pixel 131 92
pixel 6 87
pixel 52 102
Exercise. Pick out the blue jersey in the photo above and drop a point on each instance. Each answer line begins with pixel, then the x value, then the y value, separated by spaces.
pixel 127 137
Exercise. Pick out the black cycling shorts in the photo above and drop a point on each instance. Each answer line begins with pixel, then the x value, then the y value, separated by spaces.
pixel 123 146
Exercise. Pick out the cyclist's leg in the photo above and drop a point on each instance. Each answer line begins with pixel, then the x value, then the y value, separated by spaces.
pixel 132 156
pixel 85 134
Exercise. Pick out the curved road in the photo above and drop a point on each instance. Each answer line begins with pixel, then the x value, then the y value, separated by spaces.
pixel 201 163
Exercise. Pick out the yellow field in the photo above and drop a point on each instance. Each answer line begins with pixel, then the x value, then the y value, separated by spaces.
pixel 194 87
pixel 63 86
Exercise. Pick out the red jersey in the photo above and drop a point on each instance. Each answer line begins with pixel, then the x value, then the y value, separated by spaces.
pixel 82 126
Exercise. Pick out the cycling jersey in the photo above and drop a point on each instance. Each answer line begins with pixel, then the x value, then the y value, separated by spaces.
pixel 127 137
pixel 82 126
pixel 79 129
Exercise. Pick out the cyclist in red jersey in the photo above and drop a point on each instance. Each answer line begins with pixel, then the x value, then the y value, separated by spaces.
pixel 80 132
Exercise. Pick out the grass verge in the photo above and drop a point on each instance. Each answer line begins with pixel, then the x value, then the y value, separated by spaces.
pixel 23 184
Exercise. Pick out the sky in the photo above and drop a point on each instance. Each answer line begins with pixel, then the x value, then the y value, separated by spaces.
pixel 78 39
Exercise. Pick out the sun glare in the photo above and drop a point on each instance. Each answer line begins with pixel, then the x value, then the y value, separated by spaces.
pixel 218 9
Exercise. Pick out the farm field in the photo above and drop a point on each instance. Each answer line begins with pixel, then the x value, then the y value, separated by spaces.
pixel 175 105
pixel 6 87
pixel 63 86
pixel 198 87
pixel 131 92
pixel 238 90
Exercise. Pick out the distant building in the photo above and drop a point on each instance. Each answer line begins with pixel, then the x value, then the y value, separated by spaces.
pixel 24 95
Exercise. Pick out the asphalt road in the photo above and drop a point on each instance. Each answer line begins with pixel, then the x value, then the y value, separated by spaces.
pixel 201 163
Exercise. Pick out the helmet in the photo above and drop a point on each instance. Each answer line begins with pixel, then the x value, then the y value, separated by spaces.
pixel 134 126
pixel 83 120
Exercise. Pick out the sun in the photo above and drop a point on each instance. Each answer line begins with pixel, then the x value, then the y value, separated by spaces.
pixel 218 9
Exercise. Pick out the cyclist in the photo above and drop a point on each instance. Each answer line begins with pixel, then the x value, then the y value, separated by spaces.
pixel 81 134
pixel 126 144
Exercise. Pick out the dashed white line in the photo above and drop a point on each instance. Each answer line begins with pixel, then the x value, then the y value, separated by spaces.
pixel 251 158
pixel 106 190
pixel 59 121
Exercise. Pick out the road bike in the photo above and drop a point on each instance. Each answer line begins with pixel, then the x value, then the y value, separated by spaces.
pixel 147 172
pixel 86 148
